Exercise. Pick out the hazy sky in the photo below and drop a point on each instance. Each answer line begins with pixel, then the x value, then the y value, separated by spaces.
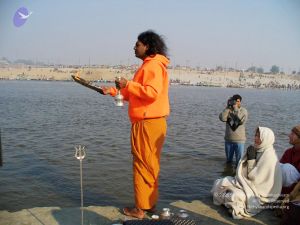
pixel 205 33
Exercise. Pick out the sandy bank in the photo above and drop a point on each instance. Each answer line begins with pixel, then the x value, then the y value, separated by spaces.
pixel 203 211
pixel 177 76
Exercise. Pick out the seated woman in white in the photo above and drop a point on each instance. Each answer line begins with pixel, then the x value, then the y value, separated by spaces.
pixel 258 179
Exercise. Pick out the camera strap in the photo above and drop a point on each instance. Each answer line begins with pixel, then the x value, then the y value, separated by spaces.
pixel 233 124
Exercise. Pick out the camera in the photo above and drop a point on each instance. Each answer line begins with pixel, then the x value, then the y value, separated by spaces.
pixel 231 102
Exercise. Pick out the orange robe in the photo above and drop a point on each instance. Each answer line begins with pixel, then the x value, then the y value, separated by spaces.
pixel 147 138
pixel 148 107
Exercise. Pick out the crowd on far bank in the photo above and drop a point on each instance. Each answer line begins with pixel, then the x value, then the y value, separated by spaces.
pixel 258 85
pixel 261 181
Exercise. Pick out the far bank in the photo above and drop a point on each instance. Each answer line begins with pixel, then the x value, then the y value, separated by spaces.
pixel 180 76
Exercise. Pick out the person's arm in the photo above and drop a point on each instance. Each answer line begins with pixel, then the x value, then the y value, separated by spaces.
pixel 108 90
pixel 152 84
pixel 125 94
pixel 224 115
pixel 251 158
pixel 250 165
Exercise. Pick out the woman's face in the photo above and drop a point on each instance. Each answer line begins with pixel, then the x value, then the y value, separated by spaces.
pixel 257 140
pixel 140 50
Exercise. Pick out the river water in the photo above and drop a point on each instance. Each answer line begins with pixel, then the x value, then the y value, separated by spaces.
pixel 41 122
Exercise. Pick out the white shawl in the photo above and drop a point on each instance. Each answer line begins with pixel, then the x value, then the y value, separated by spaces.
pixel 256 183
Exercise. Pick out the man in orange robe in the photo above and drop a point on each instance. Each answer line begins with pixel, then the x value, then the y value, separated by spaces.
pixel 147 94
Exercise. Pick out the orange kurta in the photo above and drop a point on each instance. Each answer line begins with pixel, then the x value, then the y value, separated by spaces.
pixel 148 91
pixel 147 138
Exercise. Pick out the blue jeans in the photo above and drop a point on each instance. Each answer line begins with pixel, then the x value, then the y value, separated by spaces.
pixel 232 148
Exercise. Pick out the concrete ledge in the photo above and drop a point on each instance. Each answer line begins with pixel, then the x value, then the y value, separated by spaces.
pixel 202 211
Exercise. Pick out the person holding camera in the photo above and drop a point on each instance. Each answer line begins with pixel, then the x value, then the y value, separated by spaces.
pixel 235 117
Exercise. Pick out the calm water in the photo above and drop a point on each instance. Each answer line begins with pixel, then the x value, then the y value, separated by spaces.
pixel 41 122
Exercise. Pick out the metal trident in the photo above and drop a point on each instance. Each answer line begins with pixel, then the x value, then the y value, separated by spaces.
pixel 80 154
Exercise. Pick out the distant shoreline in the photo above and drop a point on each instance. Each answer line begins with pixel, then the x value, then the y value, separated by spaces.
pixel 181 76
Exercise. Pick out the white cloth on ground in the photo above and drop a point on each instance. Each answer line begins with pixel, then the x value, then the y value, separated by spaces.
pixel 290 174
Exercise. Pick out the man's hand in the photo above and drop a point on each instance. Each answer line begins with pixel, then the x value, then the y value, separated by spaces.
pixel 106 90
pixel 120 82
pixel 251 152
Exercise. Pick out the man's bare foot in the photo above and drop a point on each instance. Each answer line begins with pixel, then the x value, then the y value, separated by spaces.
pixel 134 212
pixel 152 210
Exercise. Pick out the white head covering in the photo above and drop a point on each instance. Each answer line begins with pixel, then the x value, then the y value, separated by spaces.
pixel 267 138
